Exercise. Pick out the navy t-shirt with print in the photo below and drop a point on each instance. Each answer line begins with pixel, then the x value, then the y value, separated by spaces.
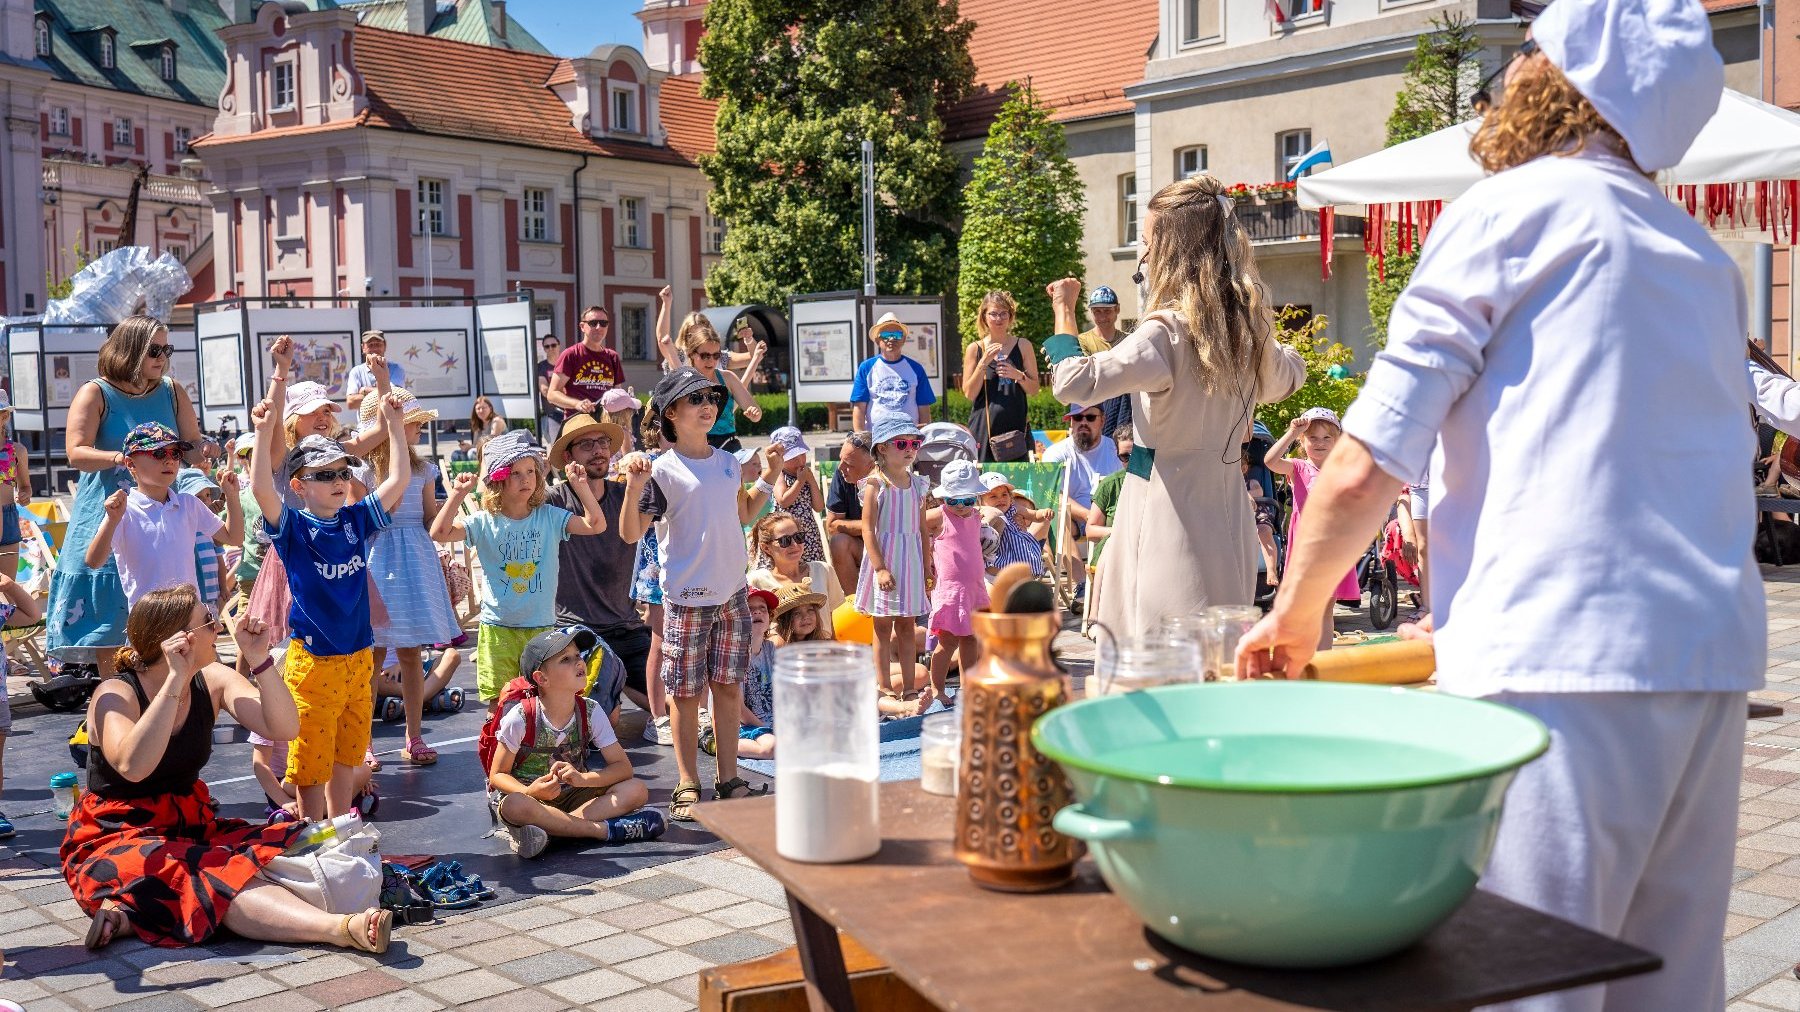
pixel 327 571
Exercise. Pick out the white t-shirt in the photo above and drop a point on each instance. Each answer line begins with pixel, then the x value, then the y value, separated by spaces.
pixel 154 541
pixel 1564 309
pixel 1086 467
pixel 701 544
pixel 511 732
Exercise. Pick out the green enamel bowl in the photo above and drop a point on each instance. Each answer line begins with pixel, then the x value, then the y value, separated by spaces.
pixel 1288 824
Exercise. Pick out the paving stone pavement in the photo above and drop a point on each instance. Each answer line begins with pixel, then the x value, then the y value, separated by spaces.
pixel 637 942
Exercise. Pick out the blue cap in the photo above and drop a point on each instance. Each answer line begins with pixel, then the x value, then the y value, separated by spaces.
pixel 193 481
pixel 1103 296
pixel 893 427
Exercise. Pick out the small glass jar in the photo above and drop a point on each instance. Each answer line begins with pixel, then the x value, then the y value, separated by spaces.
pixel 827 780
pixel 1230 623
pixel 1146 662
pixel 65 791
pixel 1196 627
pixel 940 749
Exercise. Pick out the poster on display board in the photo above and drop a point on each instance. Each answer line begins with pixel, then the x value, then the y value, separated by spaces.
pixel 825 334
pixel 325 346
pixel 506 336
pixel 223 393
pixel 49 363
pixel 435 347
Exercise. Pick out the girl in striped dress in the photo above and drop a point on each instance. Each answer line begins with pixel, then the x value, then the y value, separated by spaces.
pixel 1004 512
pixel 891 586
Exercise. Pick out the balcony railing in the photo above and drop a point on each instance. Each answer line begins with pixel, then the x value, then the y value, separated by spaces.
pixel 1286 221
pixel 115 181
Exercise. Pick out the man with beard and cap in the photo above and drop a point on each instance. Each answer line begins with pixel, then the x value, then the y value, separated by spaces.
pixel 1564 307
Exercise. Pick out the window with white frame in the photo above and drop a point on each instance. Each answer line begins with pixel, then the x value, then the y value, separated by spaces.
pixel 534 224
pixel 59 121
pixel 1199 20
pixel 431 206
pixel 634 330
pixel 1128 209
pixel 121 137
pixel 631 223
pixel 1190 161
pixel 168 63
pixel 712 234
pixel 105 246
pixel 281 86
pixel 106 51
pixel 183 137
pixel 43 36
pixel 624 108
pixel 1290 147
pixel 176 250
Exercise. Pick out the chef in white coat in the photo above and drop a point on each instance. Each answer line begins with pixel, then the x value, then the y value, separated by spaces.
pixel 1564 309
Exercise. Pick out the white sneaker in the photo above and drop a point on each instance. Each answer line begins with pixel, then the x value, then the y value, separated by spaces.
pixel 527 841
pixel 658 731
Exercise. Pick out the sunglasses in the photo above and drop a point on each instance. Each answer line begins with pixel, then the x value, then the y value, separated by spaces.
pixel 707 356
pixel 327 477
pixel 1086 418
pixel 962 501
pixel 1484 94
pixel 788 540
pixel 598 324
pixel 211 623
pixel 160 351
pixel 701 398
pixel 160 453
pixel 905 443
pixel 890 335
pixel 590 444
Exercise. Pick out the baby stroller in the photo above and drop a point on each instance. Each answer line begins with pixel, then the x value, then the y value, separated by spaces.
pixel 943 443
pixel 1253 451
pixel 1384 572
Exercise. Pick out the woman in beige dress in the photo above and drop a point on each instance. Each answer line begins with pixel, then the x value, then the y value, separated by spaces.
pixel 1196 367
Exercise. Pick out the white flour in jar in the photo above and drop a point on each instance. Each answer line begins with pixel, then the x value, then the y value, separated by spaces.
pixel 826 815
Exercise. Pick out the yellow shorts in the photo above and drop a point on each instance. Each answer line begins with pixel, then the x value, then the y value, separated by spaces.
pixel 497 650
pixel 335 702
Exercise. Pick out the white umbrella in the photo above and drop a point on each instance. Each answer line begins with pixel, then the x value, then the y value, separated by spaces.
pixel 1745 141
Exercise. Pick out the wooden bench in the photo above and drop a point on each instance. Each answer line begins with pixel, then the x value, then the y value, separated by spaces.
pixel 776 983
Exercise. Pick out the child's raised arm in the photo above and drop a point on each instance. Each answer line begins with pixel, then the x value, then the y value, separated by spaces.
pixel 393 489
pixel 1276 459
pixel 232 534
pixel 262 461
pixel 741 393
pixel 362 442
pixel 591 521
pixel 447 526
pixel 665 345
pixel 101 546
pixel 751 503
pixel 633 521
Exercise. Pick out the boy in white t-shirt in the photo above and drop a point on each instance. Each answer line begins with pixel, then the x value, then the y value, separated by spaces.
pixel 698 494
pixel 540 769
pixel 152 528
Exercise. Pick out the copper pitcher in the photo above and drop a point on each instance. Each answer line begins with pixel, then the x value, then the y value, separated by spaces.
pixel 1008 791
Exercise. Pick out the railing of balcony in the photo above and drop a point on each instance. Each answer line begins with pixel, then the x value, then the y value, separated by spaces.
pixel 1285 220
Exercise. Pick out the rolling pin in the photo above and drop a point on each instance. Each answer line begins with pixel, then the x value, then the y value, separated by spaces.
pixel 1404 663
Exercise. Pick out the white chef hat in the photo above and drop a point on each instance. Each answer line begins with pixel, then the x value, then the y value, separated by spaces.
pixel 1648 66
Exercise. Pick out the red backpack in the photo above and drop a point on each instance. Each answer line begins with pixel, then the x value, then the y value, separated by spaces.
pixel 520 691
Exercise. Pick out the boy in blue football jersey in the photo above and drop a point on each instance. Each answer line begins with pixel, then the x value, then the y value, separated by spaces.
pixel 325 548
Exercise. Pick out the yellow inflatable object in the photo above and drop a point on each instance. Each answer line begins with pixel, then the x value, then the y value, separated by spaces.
pixel 851 625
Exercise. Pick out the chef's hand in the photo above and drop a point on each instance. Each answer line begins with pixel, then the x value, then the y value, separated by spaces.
pixel 1279 646
pixel 1424 629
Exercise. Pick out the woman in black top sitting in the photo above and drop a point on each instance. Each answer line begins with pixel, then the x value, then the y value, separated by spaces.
pixel 145 849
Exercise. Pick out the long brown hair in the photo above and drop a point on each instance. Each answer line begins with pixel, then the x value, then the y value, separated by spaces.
pixel 1540 113
pixel 1200 264
pixel 760 537
pixel 157 616
pixel 122 354
pixel 695 331
pixel 784 625
pixel 476 425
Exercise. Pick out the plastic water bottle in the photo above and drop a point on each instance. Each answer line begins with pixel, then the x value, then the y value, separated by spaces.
pixel 65 791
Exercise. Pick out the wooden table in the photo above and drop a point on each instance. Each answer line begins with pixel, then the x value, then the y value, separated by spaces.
pixel 1080 947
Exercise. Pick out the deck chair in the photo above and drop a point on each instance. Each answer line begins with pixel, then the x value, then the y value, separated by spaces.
pixel 37 561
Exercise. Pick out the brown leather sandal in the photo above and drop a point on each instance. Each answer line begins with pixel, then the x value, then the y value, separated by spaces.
pixel 356 929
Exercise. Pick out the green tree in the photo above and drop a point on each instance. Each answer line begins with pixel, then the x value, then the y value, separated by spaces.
pixel 1328 384
pixel 800 84
pixel 1435 93
pixel 1021 216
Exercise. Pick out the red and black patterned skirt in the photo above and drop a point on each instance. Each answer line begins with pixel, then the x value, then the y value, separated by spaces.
pixel 168 860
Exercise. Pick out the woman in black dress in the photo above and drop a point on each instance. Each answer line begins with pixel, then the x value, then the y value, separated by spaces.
pixel 1000 374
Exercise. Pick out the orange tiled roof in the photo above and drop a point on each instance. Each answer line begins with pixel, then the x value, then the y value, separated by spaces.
pixel 1079 55
pixel 460 89
pixel 689 118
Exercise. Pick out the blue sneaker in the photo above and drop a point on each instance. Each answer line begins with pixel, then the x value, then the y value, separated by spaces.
pixel 646 824
pixel 6 828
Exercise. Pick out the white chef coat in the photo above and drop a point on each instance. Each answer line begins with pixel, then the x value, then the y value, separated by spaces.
pixel 1575 341
pixel 1776 397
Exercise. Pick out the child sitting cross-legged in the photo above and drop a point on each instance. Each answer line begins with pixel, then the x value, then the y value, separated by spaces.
pixel 540 767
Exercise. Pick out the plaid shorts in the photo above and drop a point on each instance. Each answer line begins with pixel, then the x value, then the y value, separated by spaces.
pixel 709 642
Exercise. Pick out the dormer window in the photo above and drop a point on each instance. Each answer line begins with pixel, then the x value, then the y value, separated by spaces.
pixel 167 60
pixel 108 58
pixel 622 107
pixel 43 36
pixel 281 86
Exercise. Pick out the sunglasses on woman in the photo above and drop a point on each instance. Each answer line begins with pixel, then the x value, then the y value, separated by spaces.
pixel 707 356
pixel 328 476
pixel 905 443
pixel 160 350
pixel 962 502
pixel 211 623
pixel 701 398
pixel 787 540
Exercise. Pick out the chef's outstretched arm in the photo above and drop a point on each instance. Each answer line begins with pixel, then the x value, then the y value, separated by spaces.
pixel 1777 398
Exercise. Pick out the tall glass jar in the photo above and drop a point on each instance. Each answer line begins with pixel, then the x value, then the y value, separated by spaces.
pixel 1230 623
pixel 827 806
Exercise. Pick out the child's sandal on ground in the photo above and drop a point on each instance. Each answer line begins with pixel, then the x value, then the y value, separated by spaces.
pixel 369 931
pixel 420 754
pixel 682 802
pixel 736 787
pixel 104 929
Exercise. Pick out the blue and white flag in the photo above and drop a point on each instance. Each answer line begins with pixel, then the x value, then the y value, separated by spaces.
pixel 1319 155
